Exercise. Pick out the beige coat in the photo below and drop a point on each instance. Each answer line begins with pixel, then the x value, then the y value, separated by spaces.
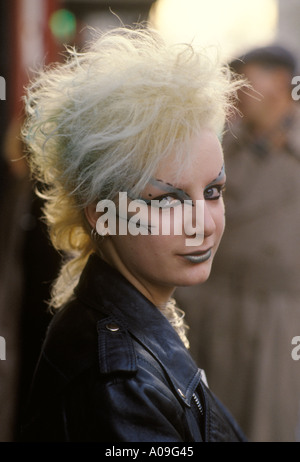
pixel 245 317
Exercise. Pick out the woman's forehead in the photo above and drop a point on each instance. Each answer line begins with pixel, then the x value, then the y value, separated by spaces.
pixel 202 159
pixel 168 182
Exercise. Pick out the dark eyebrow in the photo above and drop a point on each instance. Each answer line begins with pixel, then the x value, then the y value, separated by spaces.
pixel 168 187
pixel 219 178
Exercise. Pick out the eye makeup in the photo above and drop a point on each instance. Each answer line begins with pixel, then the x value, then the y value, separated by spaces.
pixel 217 184
pixel 219 178
pixel 161 190
pixel 177 193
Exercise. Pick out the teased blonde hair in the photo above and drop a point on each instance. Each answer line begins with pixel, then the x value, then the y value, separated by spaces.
pixel 102 121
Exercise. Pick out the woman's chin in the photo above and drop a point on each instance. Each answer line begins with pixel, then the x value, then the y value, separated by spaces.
pixel 195 275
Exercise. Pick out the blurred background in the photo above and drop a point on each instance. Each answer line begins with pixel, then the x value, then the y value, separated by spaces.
pixel 34 33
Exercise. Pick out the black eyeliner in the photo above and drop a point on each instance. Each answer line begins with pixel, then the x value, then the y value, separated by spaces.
pixel 218 179
pixel 168 187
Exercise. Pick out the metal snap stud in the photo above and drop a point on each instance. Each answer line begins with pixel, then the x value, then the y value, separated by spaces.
pixel 112 327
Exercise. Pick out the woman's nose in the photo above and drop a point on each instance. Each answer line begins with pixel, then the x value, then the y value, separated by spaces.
pixel 209 222
pixel 194 222
pixel 198 222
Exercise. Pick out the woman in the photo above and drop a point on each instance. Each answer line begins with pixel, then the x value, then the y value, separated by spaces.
pixel 130 121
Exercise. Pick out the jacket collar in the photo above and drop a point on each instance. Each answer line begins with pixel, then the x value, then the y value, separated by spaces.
pixel 103 288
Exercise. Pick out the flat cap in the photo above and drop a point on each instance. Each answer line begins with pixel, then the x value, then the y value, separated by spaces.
pixel 272 55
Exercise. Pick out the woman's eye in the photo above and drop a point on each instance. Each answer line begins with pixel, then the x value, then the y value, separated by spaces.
pixel 169 201
pixel 165 201
pixel 214 192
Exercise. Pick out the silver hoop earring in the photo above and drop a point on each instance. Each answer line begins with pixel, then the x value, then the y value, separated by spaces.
pixel 94 235
pixel 97 236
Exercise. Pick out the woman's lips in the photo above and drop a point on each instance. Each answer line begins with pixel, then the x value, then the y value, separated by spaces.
pixel 198 256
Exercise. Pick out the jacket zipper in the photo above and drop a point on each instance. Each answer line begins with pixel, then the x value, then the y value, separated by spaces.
pixel 199 406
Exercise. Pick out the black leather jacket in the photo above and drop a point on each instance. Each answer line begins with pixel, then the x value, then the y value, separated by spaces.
pixel 113 369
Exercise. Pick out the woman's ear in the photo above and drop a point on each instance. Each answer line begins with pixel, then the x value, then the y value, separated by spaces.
pixel 91 214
